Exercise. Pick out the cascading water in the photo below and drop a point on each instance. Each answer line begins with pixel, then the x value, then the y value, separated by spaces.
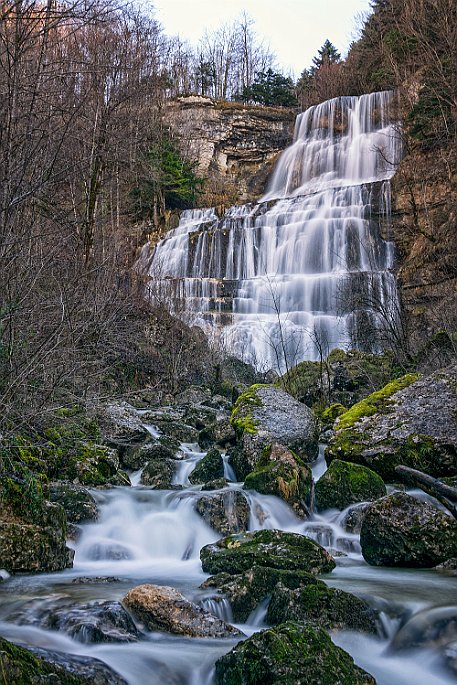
pixel 305 270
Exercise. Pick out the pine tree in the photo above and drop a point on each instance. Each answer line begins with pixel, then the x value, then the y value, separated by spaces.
pixel 327 54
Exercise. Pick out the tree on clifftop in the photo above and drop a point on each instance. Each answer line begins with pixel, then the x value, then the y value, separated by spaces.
pixel 271 89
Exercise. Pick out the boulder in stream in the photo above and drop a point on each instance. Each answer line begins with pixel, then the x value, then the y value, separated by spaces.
pixel 42 667
pixel 159 474
pixel 273 548
pixel 411 421
pixel 344 483
pixel 290 653
pixel 246 590
pixel 281 473
pixel 136 457
pixel 227 512
pixel 211 467
pixel 400 530
pixel 322 606
pixel 164 608
pixel 77 501
pixel 264 414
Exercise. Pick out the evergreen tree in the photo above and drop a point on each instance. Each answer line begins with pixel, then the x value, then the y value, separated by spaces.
pixel 327 54
pixel 272 89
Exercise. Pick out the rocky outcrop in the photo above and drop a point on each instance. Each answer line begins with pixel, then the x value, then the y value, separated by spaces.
pixel 236 145
pixel 290 653
pixel 344 484
pixel 279 472
pixel 38 546
pixel 322 606
pixel 246 590
pixel 40 667
pixel 264 414
pixel 411 421
pixel 78 503
pixel 227 512
pixel 164 608
pixel 272 548
pixel 400 530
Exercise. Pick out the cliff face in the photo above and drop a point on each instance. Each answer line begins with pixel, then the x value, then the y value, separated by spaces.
pixel 236 145
pixel 425 234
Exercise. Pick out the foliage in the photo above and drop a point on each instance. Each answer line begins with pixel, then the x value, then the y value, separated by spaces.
pixel 169 181
pixel 271 89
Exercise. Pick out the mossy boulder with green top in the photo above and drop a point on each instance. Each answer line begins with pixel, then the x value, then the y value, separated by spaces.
pixel 322 606
pixel 246 590
pixel 290 654
pixel 344 484
pixel 273 548
pixel 411 421
pixel 282 473
pixel 211 467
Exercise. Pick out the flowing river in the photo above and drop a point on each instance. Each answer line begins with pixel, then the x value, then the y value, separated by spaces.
pixel 155 536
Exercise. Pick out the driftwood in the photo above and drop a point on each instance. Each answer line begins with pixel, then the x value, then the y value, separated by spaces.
pixel 445 494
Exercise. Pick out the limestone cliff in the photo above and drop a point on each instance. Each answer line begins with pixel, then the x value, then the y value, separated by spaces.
pixel 425 233
pixel 236 145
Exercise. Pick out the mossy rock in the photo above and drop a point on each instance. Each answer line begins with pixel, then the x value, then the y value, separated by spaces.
pixel 411 421
pixel 290 654
pixel 78 503
pixel 246 590
pixel 281 473
pixel 227 512
pixel 180 431
pixel 322 606
pixel 344 484
pixel 211 467
pixel 273 548
pixel 20 666
pixel 159 474
pixel 135 457
pixel 331 413
pixel 400 530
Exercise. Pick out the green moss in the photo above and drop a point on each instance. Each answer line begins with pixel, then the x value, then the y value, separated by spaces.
pixel 344 483
pixel 374 402
pixel 19 666
pixel 330 414
pixel 241 418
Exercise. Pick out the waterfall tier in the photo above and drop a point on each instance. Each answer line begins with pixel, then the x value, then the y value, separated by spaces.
pixel 305 270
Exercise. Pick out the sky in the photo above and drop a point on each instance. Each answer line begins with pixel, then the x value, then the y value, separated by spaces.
pixel 294 29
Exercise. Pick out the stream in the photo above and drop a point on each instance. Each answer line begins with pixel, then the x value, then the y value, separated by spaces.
pixel 155 536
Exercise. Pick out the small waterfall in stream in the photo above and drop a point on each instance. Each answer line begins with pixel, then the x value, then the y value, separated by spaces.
pixel 304 270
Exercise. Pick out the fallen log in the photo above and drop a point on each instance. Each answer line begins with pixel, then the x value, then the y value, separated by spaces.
pixel 445 494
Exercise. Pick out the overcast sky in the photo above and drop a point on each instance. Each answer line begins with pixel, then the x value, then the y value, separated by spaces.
pixel 294 29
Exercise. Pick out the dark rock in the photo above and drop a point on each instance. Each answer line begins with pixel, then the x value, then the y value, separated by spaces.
pixel 215 484
pixel 279 472
pixel 164 608
pixel 273 548
pixel 344 484
pixel 290 653
pixel 32 548
pixel 209 468
pixel 449 567
pixel 89 580
pixel 121 424
pixel 264 414
pixel 246 590
pixel 352 519
pixel 227 512
pixel 192 395
pixel 99 622
pixel 221 433
pixel 410 421
pixel 96 464
pixel 159 474
pixel 42 667
pixel 433 627
pixel 400 530
pixel 120 478
pixel 179 431
pixel 322 606
pixel 136 457
pixel 200 417
pixel 77 501
pixel 173 444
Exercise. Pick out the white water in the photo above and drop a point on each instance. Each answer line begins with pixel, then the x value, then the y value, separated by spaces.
pixel 146 535
pixel 305 270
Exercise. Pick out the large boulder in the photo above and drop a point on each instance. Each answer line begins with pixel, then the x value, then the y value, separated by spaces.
pixel 38 666
pixel 289 653
pixel 273 548
pixel 158 474
pixel 344 484
pixel 246 590
pixel 134 458
pixel 264 414
pixel 227 512
pixel 121 425
pixel 400 530
pixel 78 503
pixel 40 546
pixel 211 467
pixel 322 606
pixel 280 472
pixel 164 608
pixel 411 421
pixel 98 622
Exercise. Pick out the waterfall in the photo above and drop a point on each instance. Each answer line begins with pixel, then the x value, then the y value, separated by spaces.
pixel 305 269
